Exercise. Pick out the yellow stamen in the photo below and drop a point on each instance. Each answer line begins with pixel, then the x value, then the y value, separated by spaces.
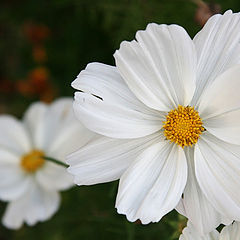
pixel 183 126
pixel 32 161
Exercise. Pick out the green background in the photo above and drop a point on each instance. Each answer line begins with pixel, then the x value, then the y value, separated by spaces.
pixel 81 32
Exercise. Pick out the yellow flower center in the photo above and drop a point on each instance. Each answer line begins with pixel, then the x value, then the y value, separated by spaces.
pixel 32 161
pixel 183 126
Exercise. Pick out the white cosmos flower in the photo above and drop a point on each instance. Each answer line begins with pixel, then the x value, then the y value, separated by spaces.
pixel 230 232
pixel 27 181
pixel 166 93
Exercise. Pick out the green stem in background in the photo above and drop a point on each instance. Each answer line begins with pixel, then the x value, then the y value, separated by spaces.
pixel 130 230
pixel 55 161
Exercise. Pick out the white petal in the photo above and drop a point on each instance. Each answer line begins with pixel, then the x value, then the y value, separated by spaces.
pixel 108 107
pixel 105 159
pixel 36 205
pixel 14 182
pixel 14 186
pixel 55 129
pixel 9 157
pixel 44 121
pixel 217 165
pixel 226 221
pixel 217 46
pixel 54 177
pixel 68 134
pixel 34 120
pixel 160 66
pixel 13 135
pixel 231 232
pixel 153 184
pixel 194 204
pixel 220 106
pixel 225 126
pixel 190 233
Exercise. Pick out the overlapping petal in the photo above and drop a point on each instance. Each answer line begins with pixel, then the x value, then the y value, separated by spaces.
pixel 160 66
pixel 218 48
pixel 153 184
pixel 36 205
pixel 220 106
pixel 69 137
pixel 34 121
pixel 108 107
pixel 54 177
pixel 14 136
pixel 105 159
pixel 63 128
pixel 13 180
pixel 231 232
pixel 190 233
pixel 217 165
pixel 53 126
pixel 194 205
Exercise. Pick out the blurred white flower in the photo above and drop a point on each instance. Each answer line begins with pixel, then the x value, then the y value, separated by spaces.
pixel 171 108
pixel 29 182
pixel 230 232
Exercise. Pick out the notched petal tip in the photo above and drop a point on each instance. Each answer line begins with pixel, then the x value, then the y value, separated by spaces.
pixel 123 44
pixel 89 69
pixel 228 12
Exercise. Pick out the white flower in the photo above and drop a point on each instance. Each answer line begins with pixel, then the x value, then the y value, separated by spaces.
pixel 168 92
pixel 231 232
pixel 30 183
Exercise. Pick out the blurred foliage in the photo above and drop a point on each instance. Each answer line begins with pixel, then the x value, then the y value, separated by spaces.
pixel 43 46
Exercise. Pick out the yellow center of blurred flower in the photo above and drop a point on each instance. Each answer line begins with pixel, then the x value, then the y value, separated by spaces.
pixel 183 126
pixel 32 161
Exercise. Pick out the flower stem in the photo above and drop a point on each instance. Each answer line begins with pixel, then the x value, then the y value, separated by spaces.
pixel 55 161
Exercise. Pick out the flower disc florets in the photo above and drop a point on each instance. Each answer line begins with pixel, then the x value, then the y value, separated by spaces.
pixel 32 161
pixel 183 126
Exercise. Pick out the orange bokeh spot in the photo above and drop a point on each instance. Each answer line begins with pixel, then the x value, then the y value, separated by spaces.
pixel 37 84
pixel 36 33
pixel 39 54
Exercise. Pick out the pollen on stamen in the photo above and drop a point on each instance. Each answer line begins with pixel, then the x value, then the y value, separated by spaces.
pixel 183 126
pixel 32 161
